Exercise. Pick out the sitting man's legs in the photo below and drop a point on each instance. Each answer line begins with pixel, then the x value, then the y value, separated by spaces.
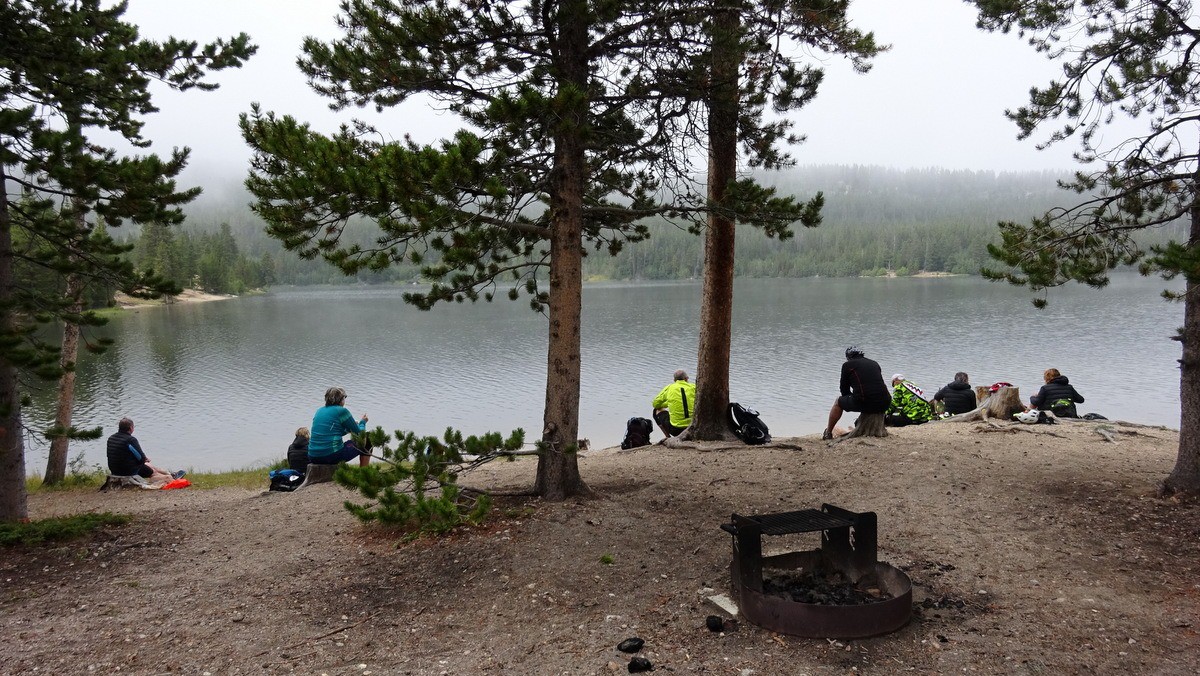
pixel 663 418
pixel 154 475
pixel 843 403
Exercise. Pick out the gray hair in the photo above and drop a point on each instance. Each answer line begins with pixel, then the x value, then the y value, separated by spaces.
pixel 960 377
pixel 335 396
pixel 681 375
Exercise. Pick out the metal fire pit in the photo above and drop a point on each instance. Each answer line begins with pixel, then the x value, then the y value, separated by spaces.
pixel 848 542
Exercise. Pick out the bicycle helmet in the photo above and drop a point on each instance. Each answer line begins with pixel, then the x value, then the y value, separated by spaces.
pixel 854 351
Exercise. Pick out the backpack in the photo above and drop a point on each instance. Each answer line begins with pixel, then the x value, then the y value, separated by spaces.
pixel 1064 408
pixel 637 433
pixel 286 480
pixel 747 426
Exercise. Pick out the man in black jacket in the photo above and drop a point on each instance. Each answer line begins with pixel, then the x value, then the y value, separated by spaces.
pixel 863 389
pixel 958 395
pixel 126 458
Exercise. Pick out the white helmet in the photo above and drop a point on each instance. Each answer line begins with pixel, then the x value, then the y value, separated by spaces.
pixel 1027 417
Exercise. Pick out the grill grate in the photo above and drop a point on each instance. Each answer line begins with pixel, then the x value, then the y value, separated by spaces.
pixel 802 521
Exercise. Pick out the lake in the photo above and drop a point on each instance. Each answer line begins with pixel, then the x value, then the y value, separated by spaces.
pixel 224 384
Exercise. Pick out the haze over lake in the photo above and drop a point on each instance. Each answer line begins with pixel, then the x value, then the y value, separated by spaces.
pixel 224 385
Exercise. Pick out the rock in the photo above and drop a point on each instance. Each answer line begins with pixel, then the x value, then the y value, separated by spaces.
pixel 631 645
pixel 714 623
pixel 639 664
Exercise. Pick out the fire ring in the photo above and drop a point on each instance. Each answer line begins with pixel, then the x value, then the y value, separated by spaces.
pixel 848 548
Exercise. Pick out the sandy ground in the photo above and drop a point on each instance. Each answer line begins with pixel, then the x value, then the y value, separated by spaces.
pixel 1032 550
pixel 186 296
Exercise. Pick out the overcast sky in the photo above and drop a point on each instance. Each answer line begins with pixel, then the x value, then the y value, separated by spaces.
pixel 937 99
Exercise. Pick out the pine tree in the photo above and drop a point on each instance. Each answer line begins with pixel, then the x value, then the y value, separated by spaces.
pixel 69 69
pixel 1121 58
pixel 749 68
pixel 580 120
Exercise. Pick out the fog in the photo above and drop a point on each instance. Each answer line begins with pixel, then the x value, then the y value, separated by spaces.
pixel 937 99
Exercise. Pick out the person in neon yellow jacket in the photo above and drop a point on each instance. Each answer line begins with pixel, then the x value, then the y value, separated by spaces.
pixel 674 405
pixel 909 406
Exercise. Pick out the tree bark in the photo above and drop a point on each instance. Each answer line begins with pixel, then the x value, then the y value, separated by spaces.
pixel 716 305
pixel 56 463
pixel 558 466
pixel 1184 478
pixel 13 498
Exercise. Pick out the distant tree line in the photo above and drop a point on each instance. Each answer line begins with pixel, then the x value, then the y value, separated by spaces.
pixel 876 221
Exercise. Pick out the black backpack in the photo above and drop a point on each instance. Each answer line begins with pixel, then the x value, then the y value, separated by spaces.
pixel 747 425
pixel 1064 408
pixel 285 480
pixel 637 432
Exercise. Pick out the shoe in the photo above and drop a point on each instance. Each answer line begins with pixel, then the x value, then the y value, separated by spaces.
pixel 178 475
pixel 827 435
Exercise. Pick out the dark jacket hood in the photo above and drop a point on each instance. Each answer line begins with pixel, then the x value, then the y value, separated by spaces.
pixel 959 386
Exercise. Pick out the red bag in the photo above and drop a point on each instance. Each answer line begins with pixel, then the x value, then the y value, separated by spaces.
pixel 176 483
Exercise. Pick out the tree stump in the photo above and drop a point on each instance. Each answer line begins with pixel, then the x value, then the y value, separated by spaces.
pixel 317 474
pixel 868 425
pixel 1002 404
pixel 113 481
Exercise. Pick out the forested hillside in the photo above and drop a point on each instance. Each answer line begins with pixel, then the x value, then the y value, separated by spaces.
pixel 876 221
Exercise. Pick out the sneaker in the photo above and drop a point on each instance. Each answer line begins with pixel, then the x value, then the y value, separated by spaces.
pixel 827 435
pixel 178 475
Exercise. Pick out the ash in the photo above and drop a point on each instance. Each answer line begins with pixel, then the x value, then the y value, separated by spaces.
pixel 825 590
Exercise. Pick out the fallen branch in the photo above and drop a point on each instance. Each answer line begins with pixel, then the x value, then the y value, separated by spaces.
pixel 1106 433
pixel 1014 428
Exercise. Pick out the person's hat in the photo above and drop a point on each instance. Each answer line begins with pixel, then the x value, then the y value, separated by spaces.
pixel 853 351
pixel 896 377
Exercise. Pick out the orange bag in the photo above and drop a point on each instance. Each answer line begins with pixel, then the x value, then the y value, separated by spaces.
pixel 176 483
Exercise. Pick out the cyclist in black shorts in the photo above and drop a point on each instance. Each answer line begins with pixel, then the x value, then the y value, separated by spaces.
pixel 863 389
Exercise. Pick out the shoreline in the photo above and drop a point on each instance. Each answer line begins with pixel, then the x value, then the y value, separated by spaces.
pixel 125 302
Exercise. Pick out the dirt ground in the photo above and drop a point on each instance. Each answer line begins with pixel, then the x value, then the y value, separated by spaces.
pixel 1032 550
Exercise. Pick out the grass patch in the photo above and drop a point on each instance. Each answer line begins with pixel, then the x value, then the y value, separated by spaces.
pixel 249 477
pixel 57 528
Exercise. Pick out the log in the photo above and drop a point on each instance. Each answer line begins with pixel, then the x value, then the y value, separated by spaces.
pixel 1002 404
pixel 868 425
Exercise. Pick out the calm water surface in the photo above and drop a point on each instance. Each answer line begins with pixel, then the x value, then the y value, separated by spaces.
pixel 224 385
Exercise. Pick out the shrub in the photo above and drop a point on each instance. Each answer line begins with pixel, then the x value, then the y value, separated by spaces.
pixel 416 489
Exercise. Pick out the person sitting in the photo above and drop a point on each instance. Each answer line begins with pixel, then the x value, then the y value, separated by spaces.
pixel 957 396
pixel 330 423
pixel 126 457
pixel 908 405
pixel 674 405
pixel 297 453
pixel 1057 396
pixel 862 389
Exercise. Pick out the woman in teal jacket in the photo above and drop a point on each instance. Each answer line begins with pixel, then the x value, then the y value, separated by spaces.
pixel 330 423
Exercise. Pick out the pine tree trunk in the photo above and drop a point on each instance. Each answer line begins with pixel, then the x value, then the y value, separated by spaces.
pixel 1184 479
pixel 558 466
pixel 716 309
pixel 13 499
pixel 56 464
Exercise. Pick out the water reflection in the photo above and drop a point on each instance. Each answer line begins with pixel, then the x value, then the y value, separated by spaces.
pixel 224 384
